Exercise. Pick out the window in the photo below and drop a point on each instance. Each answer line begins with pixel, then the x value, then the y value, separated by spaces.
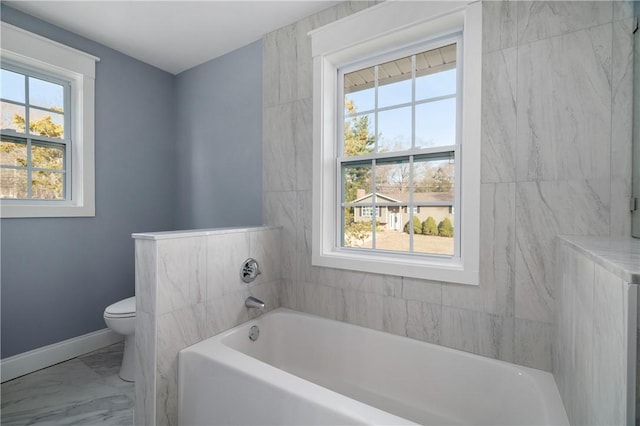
pixel 368 211
pixel 34 149
pixel 399 144
pixel 396 133
pixel 47 129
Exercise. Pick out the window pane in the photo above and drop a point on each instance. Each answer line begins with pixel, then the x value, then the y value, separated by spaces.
pixel 12 117
pixel 359 90
pixel 46 123
pixel 356 183
pixel 434 178
pixel 434 85
pixel 436 123
pixel 12 86
pixel 394 127
pixel 359 135
pixel 13 183
pixel 436 231
pixel 391 235
pixel 392 180
pixel 47 185
pixel 358 230
pixel 45 94
pixel 394 82
pixel 13 153
pixel 47 157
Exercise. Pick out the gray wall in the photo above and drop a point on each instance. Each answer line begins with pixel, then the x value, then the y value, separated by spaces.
pixel 172 152
pixel 58 275
pixel 219 139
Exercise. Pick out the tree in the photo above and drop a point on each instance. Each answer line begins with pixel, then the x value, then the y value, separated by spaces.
pixel 43 127
pixel 417 226
pixel 357 233
pixel 46 185
pixel 357 141
pixel 440 181
pixel 429 226
pixel 445 228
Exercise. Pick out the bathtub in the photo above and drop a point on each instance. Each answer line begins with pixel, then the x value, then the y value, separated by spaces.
pixel 307 370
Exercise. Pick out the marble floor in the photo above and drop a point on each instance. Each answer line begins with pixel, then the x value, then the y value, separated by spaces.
pixel 82 391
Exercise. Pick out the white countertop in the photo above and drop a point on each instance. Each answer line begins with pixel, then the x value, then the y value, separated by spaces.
pixel 187 233
pixel 619 255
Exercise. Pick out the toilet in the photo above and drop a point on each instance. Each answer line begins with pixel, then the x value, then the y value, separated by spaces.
pixel 121 318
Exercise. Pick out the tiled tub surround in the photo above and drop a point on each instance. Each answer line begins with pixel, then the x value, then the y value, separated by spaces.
pixel 188 288
pixel 596 323
pixel 556 159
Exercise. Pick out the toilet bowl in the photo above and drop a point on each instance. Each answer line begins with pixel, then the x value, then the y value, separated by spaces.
pixel 121 318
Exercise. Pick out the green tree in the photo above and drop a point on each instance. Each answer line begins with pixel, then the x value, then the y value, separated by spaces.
pixel 429 226
pixel 45 185
pixel 357 141
pixel 445 228
pixel 43 127
pixel 357 233
pixel 417 226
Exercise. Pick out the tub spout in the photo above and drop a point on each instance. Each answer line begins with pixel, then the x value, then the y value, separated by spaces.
pixel 252 302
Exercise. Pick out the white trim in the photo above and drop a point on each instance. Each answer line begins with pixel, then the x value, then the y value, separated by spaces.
pixel 375 31
pixel 48 51
pixel 77 67
pixel 46 356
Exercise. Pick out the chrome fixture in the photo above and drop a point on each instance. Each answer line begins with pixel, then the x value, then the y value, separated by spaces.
pixel 252 302
pixel 249 270
pixel 254 333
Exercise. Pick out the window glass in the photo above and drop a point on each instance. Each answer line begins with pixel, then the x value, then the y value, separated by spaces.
pixel 45 94
pixel 13 117
pixel 33 165
pixel 410 106
pixel 12 86
pixel 394 129
pixel 436 123
pixel 394 82
pixel 437 84
pixel 359 89
pixel 46 123
pixel 359 135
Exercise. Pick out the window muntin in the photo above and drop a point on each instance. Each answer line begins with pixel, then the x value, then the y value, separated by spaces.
pixel 35 145
pixel 399 145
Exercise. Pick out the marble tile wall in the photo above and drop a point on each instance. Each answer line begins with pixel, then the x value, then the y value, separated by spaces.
pixel 592 338
pixel 556 143
pixel 188 288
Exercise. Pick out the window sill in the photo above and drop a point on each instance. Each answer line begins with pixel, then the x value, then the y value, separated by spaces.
pixel 15 210
pixel 422 267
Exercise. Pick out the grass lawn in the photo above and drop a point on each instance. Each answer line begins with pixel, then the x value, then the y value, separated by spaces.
pixel 397 240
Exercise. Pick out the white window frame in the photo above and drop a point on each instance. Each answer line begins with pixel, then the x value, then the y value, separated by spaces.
pixel 31 51
pixel 387 27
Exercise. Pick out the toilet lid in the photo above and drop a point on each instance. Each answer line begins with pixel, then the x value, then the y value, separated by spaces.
pixel 126 307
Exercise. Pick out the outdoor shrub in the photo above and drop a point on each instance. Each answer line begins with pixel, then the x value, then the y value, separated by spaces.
pixel 445 228
pixel 429 226
pixel 417 226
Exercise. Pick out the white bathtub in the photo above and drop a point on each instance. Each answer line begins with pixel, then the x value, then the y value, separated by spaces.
pixel 307 370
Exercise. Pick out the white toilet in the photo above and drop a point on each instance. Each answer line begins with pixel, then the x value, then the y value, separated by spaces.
pixel 121 318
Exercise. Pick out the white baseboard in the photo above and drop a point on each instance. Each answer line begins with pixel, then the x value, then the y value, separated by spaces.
pixel 46 356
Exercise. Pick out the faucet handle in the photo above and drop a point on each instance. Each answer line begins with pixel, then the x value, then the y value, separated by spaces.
pixel 249 270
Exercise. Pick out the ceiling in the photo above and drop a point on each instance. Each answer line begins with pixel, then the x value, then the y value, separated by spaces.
pixel 171 35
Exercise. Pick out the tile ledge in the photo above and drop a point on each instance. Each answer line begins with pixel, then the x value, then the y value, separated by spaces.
pixel 619 255
pixel 190 233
